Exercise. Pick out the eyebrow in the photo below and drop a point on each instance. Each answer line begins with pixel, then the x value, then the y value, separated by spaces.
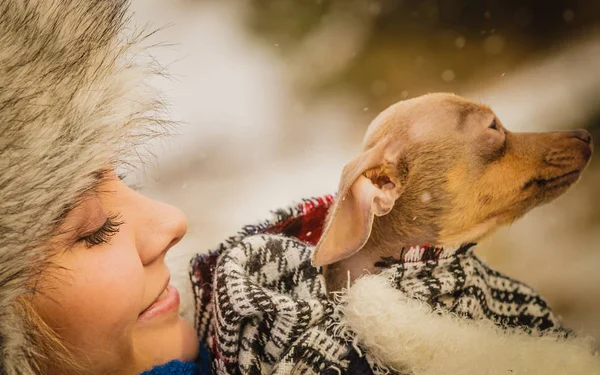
pixel 467 110
pixel 99 177
pixel 464 112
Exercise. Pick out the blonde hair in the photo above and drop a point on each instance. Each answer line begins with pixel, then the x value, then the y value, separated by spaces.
pixel 52 354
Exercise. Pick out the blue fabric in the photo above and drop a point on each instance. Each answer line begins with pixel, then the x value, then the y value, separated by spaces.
pixel 200 367
pixel 175 368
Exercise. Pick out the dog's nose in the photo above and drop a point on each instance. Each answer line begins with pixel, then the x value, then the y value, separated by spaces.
pixel 582 135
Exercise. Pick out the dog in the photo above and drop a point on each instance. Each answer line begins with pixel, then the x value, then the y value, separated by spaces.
pixel 440 170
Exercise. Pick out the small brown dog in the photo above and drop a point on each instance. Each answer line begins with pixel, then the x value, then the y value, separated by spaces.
pixel 440 170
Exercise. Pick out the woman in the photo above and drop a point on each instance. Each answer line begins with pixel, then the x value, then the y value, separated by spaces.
pixel 83 282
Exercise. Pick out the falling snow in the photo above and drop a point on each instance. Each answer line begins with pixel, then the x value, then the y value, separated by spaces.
pixel 448 75
pixel 426 197
pixel 494 44
pixel 568 15
pixel 419 60
pixel 375 8
pixel 378 87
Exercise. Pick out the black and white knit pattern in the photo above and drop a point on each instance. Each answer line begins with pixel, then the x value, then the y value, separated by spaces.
pixel 464 285
pixel 270 313
pixel 271 310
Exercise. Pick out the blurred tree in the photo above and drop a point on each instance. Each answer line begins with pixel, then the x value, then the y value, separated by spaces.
pixel 391 49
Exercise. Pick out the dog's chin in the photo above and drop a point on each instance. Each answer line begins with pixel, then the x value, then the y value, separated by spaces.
pixel 539 192
pixel 549 188
pixel 560 182
pixel 474 235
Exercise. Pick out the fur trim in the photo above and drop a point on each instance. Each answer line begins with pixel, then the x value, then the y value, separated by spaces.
pixel 72 102
pixel 408 335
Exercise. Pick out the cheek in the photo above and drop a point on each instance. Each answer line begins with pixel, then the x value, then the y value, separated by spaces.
pixel 472 196
pixel 496 190
pixel 95 300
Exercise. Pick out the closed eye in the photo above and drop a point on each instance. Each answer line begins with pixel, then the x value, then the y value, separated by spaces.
pixel 104 233
pixel 493 125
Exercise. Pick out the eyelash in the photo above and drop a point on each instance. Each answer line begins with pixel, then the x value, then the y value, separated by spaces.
pixel 104 233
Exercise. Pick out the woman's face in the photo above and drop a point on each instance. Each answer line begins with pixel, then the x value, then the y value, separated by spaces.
pixel 107 297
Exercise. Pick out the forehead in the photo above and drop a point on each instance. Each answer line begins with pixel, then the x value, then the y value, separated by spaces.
pixel 428 114
pixel 469 114
pixel 444 110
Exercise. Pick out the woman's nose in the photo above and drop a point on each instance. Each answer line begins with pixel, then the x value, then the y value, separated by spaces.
pixel 164 226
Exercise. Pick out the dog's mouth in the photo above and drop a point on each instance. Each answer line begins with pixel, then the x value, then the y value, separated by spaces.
pixel 556 182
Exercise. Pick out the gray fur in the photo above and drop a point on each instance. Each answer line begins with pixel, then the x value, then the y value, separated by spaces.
pixel 71 101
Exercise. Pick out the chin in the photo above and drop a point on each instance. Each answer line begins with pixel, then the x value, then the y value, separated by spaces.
pixel 157 344
pixel 189 339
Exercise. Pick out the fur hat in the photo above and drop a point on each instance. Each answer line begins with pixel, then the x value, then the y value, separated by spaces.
pixel 72 102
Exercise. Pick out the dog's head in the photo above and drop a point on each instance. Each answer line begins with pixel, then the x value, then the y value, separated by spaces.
pixel 442 170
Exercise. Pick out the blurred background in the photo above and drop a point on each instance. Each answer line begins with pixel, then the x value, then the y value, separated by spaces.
pixel 274 97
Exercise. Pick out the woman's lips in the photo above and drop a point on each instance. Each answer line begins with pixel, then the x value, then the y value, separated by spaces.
pixel 166 302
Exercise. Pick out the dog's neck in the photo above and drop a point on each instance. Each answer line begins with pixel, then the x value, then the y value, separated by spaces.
pixel 371 260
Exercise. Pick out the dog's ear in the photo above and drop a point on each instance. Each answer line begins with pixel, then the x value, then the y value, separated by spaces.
pixel 369 186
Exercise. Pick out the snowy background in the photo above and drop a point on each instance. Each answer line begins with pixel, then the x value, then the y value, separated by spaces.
pixel 274 98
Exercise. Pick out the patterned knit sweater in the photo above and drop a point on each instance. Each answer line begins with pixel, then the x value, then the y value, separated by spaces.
pixel 262 308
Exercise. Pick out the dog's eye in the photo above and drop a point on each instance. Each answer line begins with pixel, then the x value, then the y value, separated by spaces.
pixel 493 125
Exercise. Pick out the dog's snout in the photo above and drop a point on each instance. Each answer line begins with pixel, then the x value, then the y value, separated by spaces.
pixel 582 135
